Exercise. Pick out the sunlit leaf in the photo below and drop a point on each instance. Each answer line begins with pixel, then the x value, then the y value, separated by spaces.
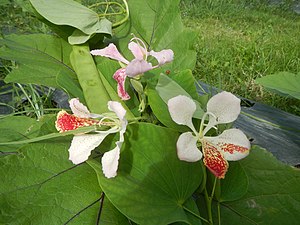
pixel 41 59
pixel 283 82
pixel 273 196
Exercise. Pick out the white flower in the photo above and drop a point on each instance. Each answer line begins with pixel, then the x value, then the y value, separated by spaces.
pixel 231 145
pixel 83 144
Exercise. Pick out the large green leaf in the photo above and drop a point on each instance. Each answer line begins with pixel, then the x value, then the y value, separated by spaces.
pixel 17 128
pixel 71 13
pixel 236 179
pixel 283 82
pixel 39 185
pixel 152 183
pixel 41 59
pixel 273 196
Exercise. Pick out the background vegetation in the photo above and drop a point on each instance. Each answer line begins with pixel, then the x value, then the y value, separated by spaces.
pixel 238 41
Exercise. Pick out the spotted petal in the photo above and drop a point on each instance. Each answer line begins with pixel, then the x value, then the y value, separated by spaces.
pixel 110 51
pixel 233 143
pixel 65 122
pixel 187 148
pixel 82 145
pixel 120 77
pixel 163 56
pixel 138 66
pixel 182 109
pixel 214 160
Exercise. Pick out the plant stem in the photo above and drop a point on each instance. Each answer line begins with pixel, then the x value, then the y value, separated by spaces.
pixel 219 213
pixel 214 188
pixel 208 206
pixel 194 214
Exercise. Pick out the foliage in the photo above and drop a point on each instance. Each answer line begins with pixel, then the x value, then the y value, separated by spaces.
pixel 283 82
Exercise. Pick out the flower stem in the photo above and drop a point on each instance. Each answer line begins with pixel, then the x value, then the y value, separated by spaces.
pixel 208 200
pixel 194 214
pixel 208 206
pixel 219 213
pixel 214 188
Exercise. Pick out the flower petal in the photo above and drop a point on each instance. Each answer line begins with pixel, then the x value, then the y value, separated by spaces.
pixel 66 121
pixel 163 56
pixel 138 51
pixel 110 51
pixel 214 160
pixel 79 109
pixel 82 145
pixel 233 143
pixel 110 161
pixel 187 148
pixel 120 77
pixel 137 66
pixel 225 106
pixel 182 109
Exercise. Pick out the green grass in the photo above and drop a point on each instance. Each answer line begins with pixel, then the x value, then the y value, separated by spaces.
pixel 240 41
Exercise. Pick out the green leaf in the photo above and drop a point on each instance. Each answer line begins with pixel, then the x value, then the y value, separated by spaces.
pixel 168 88
pixel 160 110
pixel 46 188
pixel 283 82
pixel 152 183
pixel 39 185
pixel 41 59
pixel 187 81
pixel 71 13
pixel 236 179
pixel 79 37
pixel 17 128
pixel 273 196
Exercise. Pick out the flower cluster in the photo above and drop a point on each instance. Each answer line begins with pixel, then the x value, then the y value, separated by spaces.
pixel 83 144
pixel 135 67
pixel 231 145
pixel 222 108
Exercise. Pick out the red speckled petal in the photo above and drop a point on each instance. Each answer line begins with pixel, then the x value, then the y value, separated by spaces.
pixel 214 160
pixel 120 77
pixel 66 121
pixel 233 143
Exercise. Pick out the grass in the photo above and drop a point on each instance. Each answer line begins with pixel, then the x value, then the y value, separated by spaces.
pixel 240 41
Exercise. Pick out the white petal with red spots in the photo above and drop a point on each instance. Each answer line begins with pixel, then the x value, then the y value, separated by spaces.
pixel 233 143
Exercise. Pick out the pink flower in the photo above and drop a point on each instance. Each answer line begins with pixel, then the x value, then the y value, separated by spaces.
pixel 137 66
